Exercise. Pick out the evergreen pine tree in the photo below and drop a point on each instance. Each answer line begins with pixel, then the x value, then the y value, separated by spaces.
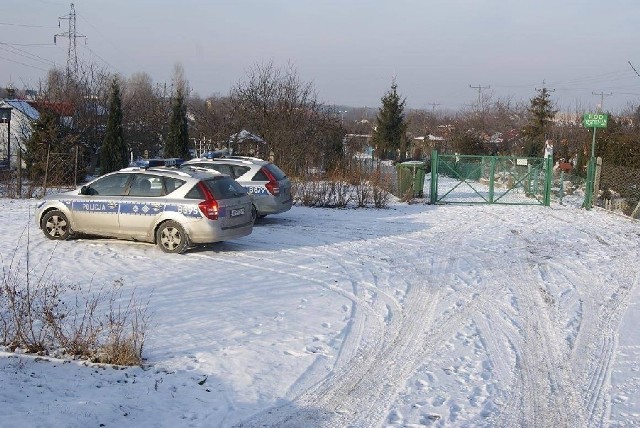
pixel 177 145
pixel 114 154
pixel 46 131
pixel 541 113
pixel 389 136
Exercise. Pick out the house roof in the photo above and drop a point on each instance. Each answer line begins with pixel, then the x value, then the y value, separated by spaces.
pixel 24 107
pixel 429 137
pixel 245 136
pixel 61 108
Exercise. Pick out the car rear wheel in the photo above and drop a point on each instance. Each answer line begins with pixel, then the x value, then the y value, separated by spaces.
pixel 171 237
pixel 55 225
pixel 254 213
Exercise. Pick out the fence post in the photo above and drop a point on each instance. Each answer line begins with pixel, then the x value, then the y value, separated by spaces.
pixel 588 192
pixel 548 180
pixel 492 178
pixel 75 168
pixel 19 173
pixel 636 211
pixel 46 171
pixel 561 192
pixel 596 179
pixel 433 196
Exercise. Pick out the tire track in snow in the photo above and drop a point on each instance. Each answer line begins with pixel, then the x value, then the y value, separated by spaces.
pixel 546 386
pixel 360 392
pixel 603 343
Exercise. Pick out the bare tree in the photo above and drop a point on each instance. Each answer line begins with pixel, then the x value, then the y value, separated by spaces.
pixel 145 114
pixel 276 105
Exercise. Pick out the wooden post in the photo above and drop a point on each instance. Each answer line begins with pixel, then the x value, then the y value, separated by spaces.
pixel 75 168
pixel 19 173
pixel 636 211
pixel 46 171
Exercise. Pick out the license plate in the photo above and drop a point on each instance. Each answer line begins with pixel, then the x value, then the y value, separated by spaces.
pixel 237 211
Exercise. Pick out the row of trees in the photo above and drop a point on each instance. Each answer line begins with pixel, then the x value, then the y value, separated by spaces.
pixel 502 127
pixel 110 119
pixel 469 135
pixel 113 118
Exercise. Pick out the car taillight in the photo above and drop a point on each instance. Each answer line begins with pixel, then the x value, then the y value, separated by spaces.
pixel 272 186
pixel 208 207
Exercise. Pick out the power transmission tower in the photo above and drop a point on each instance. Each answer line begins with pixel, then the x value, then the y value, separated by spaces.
pixel 480 88
pixel 602 95
pixel 72 35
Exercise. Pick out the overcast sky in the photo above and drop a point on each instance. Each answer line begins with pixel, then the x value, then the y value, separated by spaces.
pixel 349 49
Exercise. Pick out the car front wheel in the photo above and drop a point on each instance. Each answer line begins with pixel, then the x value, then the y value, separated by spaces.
pixel 171 237
pixel 55 225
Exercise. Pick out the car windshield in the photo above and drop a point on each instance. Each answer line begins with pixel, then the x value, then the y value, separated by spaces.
pixel 225 188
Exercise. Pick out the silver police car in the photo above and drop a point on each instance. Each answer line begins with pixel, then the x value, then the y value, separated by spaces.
pixel 267 184
pixel 175 209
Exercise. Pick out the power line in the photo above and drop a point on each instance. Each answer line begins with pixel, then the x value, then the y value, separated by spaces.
pixel 22 63
pixel 633 68
pixel 24 25
pixel 21 52
pixel 27 44
pixel 100 58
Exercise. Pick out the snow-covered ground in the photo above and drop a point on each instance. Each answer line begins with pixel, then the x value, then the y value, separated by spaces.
pixel 411 316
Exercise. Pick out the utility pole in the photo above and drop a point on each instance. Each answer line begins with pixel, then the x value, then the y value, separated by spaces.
pixel 433 106
pixel 602 95
pixel 479 88
pixel 72 35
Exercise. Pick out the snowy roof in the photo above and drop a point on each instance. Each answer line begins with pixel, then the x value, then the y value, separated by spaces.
pixel 24 107
pixel 244 136
pixel 430 137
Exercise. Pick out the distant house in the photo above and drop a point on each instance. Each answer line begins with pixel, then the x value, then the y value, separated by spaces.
pixel 23 114
pixel 422 146
pixel 65 111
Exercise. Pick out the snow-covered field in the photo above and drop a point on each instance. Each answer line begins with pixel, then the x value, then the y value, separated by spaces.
pixel 411 316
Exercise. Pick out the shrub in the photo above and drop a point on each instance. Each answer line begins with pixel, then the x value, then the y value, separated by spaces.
pixel 341 189
pixel 48 317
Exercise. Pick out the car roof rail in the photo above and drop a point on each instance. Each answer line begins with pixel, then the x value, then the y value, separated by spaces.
pixel 196 168
pixel 168 170
pixel 251 158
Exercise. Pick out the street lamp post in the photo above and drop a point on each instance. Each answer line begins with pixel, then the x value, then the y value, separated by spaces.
pixel 5 117
pixel 342 112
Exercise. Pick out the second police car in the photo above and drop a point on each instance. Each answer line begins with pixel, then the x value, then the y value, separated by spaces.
pixel 268 185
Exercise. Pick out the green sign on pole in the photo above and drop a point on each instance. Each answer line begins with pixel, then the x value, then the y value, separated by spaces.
pixel 592 120
pixel 595 120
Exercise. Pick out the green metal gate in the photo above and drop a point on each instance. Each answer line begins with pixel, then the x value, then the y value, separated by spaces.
pixel 469 179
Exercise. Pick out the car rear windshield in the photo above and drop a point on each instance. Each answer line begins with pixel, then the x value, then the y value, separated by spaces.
pixel 277 173
pixel 225 188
